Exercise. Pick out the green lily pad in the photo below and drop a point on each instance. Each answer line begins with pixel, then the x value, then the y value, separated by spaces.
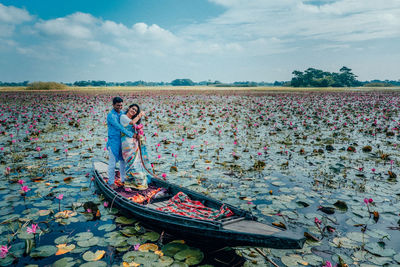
pixel 89 243
pixel 376 249
pixel 62 239
pixel 381 261
pixel 344 242
pixel 90 256
pixel 140 257
pixel 150 236
pixel 164 261
pixel 179 264
pixel 83 236
pixel 129 231
pixel 133 240
pixel 107 227
pixel 171 248
pixel 43 251
pixel 191 256
pixel 292 260
pixel 117 242
pixel 64 262
pixel 313 259
pixel 124 220
pixel 94 264
pixel 397 258
pixel 6 261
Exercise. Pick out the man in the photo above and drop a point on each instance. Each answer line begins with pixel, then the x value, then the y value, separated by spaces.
pixel 114 141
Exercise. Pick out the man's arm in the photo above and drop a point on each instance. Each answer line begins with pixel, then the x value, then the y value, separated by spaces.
pixel 112 120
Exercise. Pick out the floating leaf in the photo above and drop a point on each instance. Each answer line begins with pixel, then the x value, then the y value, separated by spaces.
pixel 191 256
pixel 376 249
pixel 65 214
pixel 44 212
pixel 151 236
pixel 43 251
pixel 90 256
pixel 89 242
pixel 64 262
pixel 63 248
pixel 172 248
pixel 124 220
pixel 107 227
pixel 147 247
pixel 83 236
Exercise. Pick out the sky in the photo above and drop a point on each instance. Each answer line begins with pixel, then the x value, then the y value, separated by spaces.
pixel 224 40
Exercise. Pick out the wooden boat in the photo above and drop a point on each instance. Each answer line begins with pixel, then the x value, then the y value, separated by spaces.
pixel 241 229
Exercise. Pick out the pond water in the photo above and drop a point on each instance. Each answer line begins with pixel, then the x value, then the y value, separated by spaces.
pixel 324 163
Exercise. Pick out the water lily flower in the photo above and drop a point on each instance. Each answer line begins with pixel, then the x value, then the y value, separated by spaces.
pixel 4 251
pixel 105 204
pixel 328 264
pixel 317 221
pixel 136 246
pixel 60 196
pixel 25 188
pixel 33 229
pixel 373 169
pixel 163 175
pixel 20 181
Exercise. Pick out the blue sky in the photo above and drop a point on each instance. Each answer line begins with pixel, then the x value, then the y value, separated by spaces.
pixel 225 40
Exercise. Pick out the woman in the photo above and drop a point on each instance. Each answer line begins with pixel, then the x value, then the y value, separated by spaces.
pixel 136 175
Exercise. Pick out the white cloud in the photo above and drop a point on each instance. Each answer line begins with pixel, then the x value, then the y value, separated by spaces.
pixel 13 15
pixel 237 44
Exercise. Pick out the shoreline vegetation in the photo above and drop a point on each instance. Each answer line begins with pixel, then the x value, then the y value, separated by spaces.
pixel 194 88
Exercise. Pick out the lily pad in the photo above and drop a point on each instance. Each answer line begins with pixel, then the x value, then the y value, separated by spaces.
pixel 107 227
pixel 376 249
pixel 90 256
pixel 62 239
pixel 94 264
pixel 88 243
pixel 172 248
pixel 43 251
pixel 83 236
pixel 150 236
pixel 124 220
pixel 64 262
pixel 191 256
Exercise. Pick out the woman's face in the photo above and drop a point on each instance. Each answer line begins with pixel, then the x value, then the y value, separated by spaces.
pixel 132 111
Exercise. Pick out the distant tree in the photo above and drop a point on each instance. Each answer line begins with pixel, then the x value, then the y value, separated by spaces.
pixel 182 82
pixel 312 77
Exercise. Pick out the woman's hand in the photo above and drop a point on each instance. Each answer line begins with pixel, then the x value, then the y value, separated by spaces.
pixel 141 114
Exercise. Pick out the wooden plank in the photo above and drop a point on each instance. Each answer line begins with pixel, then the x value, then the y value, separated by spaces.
pixel 253 227
pixel 233 221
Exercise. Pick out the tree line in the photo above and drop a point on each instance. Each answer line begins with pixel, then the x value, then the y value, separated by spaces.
pixel 311 77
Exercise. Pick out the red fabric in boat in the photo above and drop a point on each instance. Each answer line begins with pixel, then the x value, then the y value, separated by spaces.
pixel 181 204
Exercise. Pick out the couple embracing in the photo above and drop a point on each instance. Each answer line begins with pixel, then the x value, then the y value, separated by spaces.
pixel 124 134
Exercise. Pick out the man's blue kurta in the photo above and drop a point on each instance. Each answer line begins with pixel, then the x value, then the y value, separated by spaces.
pixel 114 133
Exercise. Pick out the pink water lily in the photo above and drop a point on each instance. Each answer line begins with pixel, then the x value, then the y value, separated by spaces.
pixel 33 229
pixel 20 181
pixel 4 251
pixel 60 196
pixel 25 189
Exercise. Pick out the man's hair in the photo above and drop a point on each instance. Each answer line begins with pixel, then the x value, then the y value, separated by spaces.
pixel 117 99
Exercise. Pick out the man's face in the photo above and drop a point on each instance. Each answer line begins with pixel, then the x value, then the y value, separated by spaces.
pixel 118 107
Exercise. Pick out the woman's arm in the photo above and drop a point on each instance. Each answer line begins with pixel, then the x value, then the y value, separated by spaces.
pixel 138 117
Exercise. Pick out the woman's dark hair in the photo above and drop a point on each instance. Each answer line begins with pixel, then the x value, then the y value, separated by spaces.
pixel 137 113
